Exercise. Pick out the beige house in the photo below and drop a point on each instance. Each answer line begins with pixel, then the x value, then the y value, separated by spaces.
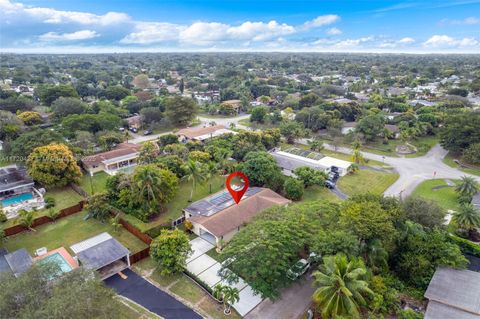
pixel 202 133
pixel 217 218
pixel 122 158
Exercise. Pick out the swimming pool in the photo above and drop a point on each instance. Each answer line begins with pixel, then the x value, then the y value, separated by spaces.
pixel 59 260
pixel 16 199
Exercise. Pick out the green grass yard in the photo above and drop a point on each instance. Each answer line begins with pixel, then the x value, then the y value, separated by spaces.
pixel 174 208
pixel 316 192
pixel 445 197
pixel 97 183
pixel 449 160
pixel 356 183
pixel 68 231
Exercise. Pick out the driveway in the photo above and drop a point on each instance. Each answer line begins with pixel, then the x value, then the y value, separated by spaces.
pixel 144 293
pixel 412 171
pixel 206 268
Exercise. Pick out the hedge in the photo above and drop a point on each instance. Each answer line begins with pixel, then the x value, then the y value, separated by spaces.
pixel 466 245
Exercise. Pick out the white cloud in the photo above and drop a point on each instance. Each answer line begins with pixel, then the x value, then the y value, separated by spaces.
pixel 333 31
pixel 466 21
pixel 74 36
pixel 445 41
pixel 258 31
pixel 321 21
pixel 406 40
pixel 153 32
pixel 352 43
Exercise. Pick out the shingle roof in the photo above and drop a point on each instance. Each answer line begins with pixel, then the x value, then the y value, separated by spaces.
pixel 19 261
pixel 4 267
pixel 123 149
pixel 457 289
pixel 102 254
pixel 12 177
pixel 233 216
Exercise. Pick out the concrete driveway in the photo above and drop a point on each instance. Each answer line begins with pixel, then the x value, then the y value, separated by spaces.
pixel 144 293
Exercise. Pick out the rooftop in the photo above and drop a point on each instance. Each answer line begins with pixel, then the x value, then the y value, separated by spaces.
pixel 219 214
pixel 19 261
pixel 202 132
pixel 96 255
pixel 12 177
pixel 123 150
pixel 453 294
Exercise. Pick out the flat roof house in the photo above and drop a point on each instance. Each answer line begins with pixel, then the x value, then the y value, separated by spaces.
pixel 202 133
pixel 217 218
pixel 294 158
pixel 103 254
pixel 453 294
pixel 122 158
pixel 14 180
pixel 16 262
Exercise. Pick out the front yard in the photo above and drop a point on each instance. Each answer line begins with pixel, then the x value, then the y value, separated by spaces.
pixel 68 231
pixel 366 181
pixel 438 191
pixel 450 161
pixel 95 184
pixel 184 288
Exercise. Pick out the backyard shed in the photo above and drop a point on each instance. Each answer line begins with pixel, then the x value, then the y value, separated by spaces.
pixel 102 253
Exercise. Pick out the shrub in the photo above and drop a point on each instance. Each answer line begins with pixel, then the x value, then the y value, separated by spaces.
pixel 409 314
pixel 293 188
pixel 49 202
pixel 466 245
pixel 3 217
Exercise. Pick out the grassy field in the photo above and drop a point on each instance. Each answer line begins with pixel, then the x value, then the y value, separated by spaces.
pixel 449 160
pixel 68 231
pixel 64 197
pixel 174 208
pixel 423 145
pixel 184 288
pixel 98 183
pixel 356 183
pixel 318 193
pixel 445 197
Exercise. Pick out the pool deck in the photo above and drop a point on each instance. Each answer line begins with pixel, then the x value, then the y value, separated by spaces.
pixel 62 251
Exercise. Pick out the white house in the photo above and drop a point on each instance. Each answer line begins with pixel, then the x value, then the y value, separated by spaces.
pixel 122 158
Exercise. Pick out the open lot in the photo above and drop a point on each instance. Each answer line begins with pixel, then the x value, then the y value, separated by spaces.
pixel 366 181
pixel 95 184
pixel 70 230
pixel 444 196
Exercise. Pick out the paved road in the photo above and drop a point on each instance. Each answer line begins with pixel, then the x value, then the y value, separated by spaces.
pixel 413 170
pixel 293 303
pixel 144 293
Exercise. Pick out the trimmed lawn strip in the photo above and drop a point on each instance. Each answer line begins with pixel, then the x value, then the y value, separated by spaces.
pixel 445 197
pixel 175 207
pixel 68 231
pixel 215 309
pixel 316 192
pixel 98 183
pixel 187 289
pixel 449 161
pixel 377 182
pixel 131 310
pixel 64 197
pixel 213 253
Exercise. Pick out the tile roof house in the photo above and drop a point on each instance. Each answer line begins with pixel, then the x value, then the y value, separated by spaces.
pixel 217 218
pixel 121 158
pixel 453 294
pixel 202 133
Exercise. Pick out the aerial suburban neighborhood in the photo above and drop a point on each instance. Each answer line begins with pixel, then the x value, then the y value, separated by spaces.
pixel 153 166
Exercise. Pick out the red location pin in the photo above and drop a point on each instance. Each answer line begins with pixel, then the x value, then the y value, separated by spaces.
pixel 237 194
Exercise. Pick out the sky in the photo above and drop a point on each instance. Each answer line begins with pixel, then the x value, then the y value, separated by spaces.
pixel 98 26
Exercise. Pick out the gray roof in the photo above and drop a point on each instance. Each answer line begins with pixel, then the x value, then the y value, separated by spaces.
pixel 4 267
pixel 458 289
pixel 102 254
pixel 19 261
pixel 12 177
pixel 217 202
pixel 290 163
pixel 476 200
pixel 436 310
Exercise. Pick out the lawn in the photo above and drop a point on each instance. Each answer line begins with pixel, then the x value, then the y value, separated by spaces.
pixel 174 208
pixel 356 183
pixel 187 289
pixel 131 310
pixel 445 197
pixel 98 182
pixel 64 197
pixel 319 193
pixel 68 231
pixel 423 145
pixel 449 160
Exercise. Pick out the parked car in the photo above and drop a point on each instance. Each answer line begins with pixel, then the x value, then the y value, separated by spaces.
pixel 133 130
pixel 147 132
pixel 298 269
pixel 329 184
pixel 122 129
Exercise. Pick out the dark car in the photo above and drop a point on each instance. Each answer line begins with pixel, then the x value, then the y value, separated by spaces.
pixel 147 132
pixel 133 130
pixel 329 184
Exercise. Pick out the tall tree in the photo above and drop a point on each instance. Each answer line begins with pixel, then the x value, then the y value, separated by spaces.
pixel 195 173
pixel 467 187
pixel 342 287
pixel 180 110
pixel 467 218
pixel 171 250
pixel 292 130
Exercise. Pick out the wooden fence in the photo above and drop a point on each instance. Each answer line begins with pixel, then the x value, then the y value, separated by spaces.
pixel 142 254
pixel 17 229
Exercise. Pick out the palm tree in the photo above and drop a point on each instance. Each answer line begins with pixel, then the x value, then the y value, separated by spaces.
pixel 229 295
pixel 341 287
pixel 467 187
pixel 211 169
pixel 375 255
pixel 193 172
pixel 115 222
pixel 357 157
pixel 467 218
pixel 26 219
pixel 148 182
pixel 316 145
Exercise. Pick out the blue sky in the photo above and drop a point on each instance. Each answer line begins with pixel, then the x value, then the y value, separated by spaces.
pixel 243 25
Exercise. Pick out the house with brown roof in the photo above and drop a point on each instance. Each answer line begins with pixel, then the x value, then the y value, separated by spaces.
pixel 122 158
pixel 217 218
pixel 202 133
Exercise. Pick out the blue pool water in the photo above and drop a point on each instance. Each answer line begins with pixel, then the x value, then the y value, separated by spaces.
pixel 59 260
pixel 16 199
